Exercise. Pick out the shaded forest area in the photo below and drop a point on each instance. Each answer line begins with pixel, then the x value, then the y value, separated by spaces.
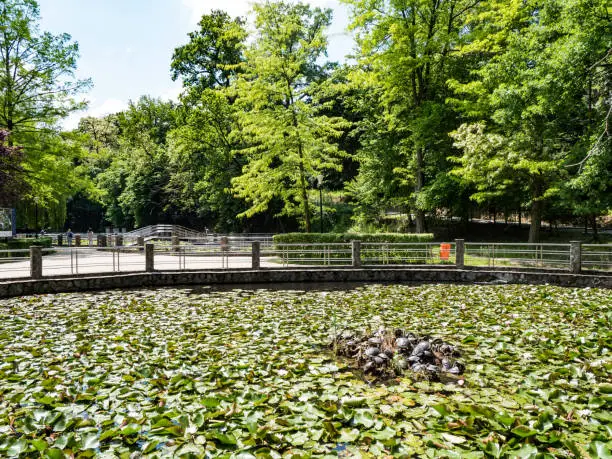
pixel 449 110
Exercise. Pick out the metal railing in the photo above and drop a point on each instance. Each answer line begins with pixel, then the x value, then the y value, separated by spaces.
pixel 596 256
pixel 174 254
pixel 194 257
pixel 555 256
pixel 14 263
pixel 157 233
pixel 86 260
pixel 380 253
pixel 309 255
pixel 165 231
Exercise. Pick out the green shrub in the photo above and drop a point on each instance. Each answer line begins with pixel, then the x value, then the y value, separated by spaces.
pixel 26 243
pixel 22 244
pixel 334 238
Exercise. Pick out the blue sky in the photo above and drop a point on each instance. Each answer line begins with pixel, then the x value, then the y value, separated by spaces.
pixel 126 45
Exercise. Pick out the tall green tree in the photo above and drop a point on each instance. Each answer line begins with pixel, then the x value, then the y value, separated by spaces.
pixel 590 190
pixel 213 55
pixel 201 149
pixel 406 55
pixel 287 141
pixel 530 98
pixel 134 183
pixel 38 89
pixel 202 162
pixel 37 84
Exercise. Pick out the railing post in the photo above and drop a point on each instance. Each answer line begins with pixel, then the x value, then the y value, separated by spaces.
pixel 575 257
pixel 460 253
pixel 36 262
pixel 140 243
pixel 119 240
pixel 101 240
pixel 175 243
pixel 356 254
pixel 149 258
pixel 255 255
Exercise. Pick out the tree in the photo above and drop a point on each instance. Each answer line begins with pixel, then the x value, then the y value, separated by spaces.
pixel 213 55
pixel 134 183
pixel 200 154
pixel 202 161
pixel 529 100
pixel 406 55
pixel 287 141
pixel 590 190
pixel 36 70
pixel 102 134
pixel 37 89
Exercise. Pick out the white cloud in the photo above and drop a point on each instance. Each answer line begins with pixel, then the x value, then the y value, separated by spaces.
pixel 199 7
pixel 96 110
pixel 339 39
pixel 172 93
pixel 107 107
pixel 237 7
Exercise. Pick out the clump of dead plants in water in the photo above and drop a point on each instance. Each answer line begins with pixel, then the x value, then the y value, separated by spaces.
pixel 386 354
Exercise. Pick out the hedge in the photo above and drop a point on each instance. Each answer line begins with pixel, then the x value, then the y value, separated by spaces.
pixel 23 244
pixel 332 238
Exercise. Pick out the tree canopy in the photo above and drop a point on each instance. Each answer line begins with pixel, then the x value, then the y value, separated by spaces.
pixel 37 90
pixel 448 108
pixel 286 139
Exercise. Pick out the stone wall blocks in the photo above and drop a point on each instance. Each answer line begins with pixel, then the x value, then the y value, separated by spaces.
pixel 161 279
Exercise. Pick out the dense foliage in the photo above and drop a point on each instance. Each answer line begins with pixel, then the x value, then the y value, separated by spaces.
pixel 22 246
pixel 37 90
pixel 172 373
pixel 313 238
pixel 12 183
pixel 449 108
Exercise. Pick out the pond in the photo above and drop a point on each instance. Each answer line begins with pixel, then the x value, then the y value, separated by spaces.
pixel 248 373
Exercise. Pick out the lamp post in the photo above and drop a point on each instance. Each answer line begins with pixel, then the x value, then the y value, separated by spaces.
pixel 36 216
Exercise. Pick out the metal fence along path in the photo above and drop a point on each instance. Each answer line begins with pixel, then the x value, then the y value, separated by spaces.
pixel 174 254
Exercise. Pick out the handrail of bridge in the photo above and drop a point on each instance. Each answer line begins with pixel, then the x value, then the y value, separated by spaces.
pixel 165 230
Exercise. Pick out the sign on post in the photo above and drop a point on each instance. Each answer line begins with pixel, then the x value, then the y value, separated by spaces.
pixel 7 222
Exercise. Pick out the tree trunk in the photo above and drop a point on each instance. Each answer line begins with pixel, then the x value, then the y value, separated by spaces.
pixel 304 193
pixel 303 189
pixel 594 224
pixel 536 221
pixel 519 217
pixel 420 221
pixel 9 128
pixel 420 179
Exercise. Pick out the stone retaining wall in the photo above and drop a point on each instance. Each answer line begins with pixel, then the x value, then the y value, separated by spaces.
pixel 292 276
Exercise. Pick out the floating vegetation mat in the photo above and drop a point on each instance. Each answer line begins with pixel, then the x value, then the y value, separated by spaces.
pixel 240 373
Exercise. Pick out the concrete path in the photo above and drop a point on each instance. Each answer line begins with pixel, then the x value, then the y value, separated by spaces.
pixel 90 261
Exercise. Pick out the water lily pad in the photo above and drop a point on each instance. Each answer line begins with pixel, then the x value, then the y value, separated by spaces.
pixel 246 373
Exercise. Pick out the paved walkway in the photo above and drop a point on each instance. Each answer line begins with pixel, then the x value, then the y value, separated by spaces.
pixel 90 261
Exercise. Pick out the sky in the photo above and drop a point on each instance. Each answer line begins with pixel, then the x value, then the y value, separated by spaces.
pixel 126 45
